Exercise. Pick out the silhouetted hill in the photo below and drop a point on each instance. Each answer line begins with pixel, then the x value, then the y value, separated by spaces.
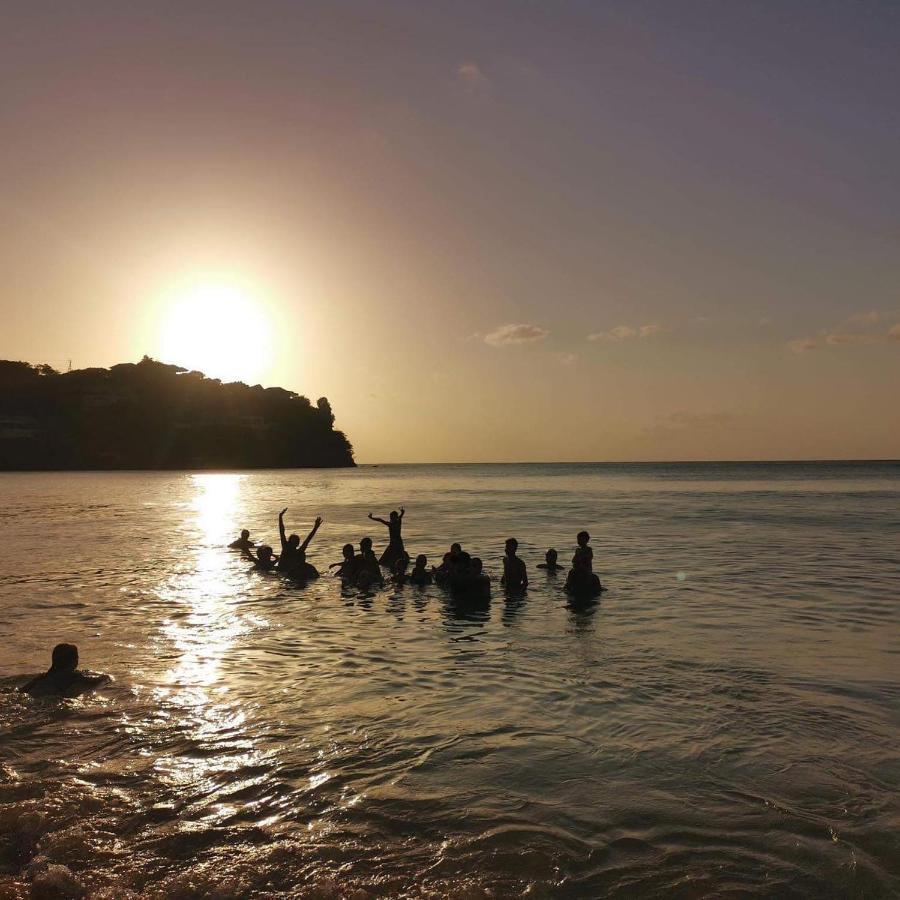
pixel 151 415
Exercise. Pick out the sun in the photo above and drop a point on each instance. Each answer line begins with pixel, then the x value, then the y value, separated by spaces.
pixel 218 328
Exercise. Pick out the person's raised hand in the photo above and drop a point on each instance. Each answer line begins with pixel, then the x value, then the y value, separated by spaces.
pixel 371 516
pixel 318 521
pixel 283 511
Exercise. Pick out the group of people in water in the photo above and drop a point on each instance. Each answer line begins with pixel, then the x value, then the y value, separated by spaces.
pixel 460 571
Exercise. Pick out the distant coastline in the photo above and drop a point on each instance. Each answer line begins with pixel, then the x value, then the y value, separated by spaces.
pixel 154 416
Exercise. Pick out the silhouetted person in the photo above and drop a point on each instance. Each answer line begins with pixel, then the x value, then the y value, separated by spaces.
pixel 243 542
pixel 63 677
pixel 551 565
pixel 302 570
pixel 420 575
pixel 469 579
pixel 291 546
pixel 581 581
pixel 515 577
pixel 442 572
pixel 395 540
pixel 398 572
pixel 345 568
pixel 583 550
pixel 368 571
pixel 265 559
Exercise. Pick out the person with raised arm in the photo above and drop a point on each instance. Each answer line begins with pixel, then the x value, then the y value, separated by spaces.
pixel 395 547
pixel 291 548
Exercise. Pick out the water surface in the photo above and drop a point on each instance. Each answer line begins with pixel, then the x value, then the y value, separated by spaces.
pixel 725 722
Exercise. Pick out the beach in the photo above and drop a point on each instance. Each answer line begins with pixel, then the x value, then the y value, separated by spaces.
pixel 723 722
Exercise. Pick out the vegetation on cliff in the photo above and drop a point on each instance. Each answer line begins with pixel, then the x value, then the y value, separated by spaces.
pixel 150 415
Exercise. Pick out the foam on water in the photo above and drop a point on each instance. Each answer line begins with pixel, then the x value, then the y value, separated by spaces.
pixel 724 721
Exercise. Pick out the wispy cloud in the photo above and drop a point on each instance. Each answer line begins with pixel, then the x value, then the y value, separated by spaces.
pixel 515 334
pixel 873 317
pixel 803 345
pixel 845 339
pixel 836 339
pixel 625 333
pixel 568 359
pixel 471 75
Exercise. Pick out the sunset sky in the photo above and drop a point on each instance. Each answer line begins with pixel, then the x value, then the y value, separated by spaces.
pixel 486 231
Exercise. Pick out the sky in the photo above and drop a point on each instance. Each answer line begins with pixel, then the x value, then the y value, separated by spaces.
pixel 505 231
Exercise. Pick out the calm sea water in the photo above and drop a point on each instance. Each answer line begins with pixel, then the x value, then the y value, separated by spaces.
pixel 725 722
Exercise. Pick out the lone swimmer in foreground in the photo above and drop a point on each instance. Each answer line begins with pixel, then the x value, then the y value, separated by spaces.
pixel 63 677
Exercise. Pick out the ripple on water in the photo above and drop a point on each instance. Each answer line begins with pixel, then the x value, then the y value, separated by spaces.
pixel 723 722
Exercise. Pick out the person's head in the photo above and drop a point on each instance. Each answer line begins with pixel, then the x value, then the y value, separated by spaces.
pixel 477 565
pixel 294 540
pixel 264 552
pixel 550 556
pixel 455 549
pixel 512 545
pixel 421 561
pixel 583 537
pixel 448 557
pixel 365 545
pixel 394 515
pixel 347 551
pixel 64 658
pixel 463 559
pixel 245 534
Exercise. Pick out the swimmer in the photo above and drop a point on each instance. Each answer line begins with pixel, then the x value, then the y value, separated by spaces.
pixel 551 565
pixel 583 550
pixel 291 546
pixel 264 560
pixel 63 677
pixel 581 581
pixel 395 540
pixel 442 572
pixel 398 572
pixel 420 575
pixel 302 570
pixel 515 577
pixel 368 572
pixel 345 568
pixel 471 580
pixel 243 542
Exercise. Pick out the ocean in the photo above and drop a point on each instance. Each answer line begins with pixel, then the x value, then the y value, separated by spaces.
pixel 725 721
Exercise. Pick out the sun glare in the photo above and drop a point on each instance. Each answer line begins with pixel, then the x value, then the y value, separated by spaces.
pixel 219 329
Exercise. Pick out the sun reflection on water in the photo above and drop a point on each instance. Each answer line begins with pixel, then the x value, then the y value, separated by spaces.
pixel 203 627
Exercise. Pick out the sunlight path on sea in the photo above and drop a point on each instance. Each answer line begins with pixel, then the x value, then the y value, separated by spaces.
pixel 202 629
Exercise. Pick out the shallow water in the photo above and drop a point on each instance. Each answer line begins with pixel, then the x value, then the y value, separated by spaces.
pixel 725 722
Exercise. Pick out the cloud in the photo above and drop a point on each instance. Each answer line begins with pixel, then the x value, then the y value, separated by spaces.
pixel 568 359
pixel 515 334
pixel 624 333
pixel 894 333
pixel 802 345
pixel 837 339
pixel 470 74
pixel 873 317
